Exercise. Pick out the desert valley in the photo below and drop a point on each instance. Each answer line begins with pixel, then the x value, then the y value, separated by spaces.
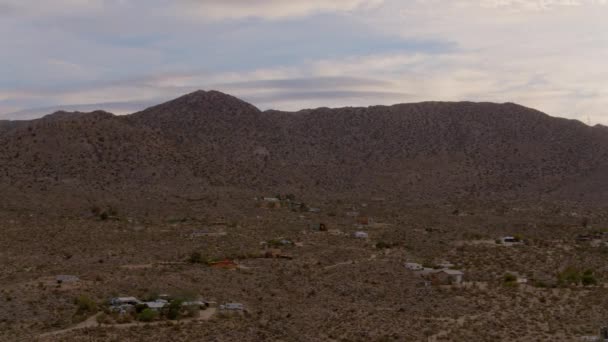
pixel 204 218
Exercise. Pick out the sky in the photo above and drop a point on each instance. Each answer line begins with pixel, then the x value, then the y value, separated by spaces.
pixel 125 55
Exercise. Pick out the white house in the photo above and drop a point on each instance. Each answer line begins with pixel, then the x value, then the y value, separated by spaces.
pixel 157 305
pixel 124 300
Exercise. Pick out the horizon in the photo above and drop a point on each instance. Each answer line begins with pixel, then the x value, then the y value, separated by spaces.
pixel 32 114
pixel 83 54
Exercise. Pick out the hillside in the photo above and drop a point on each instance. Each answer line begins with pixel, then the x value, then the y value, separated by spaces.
pixel 202 141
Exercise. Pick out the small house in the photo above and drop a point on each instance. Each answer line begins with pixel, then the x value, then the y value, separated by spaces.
pixel 124 301
pixel 196 303
pixel 361 235
pixel 314 210
pixel 352 213
pixel 445 264
pixel 413 266
pixel 157 305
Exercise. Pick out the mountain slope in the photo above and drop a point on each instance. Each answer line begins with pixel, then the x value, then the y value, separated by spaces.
pixel 204 140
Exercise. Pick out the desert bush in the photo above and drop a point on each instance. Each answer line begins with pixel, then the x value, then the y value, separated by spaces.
pixel 174 309
pixel 572 276
pixel 383 245
pixel 195 258
pixel 147 315
pixel 510 280
pixel 85 304
pixel 588 278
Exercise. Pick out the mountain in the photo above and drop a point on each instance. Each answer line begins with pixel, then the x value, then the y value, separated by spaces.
pixel 206 141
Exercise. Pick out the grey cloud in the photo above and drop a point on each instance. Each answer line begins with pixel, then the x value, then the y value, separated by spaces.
pixel 308 83
pixel 286 96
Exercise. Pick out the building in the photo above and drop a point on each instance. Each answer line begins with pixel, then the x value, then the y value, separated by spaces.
pixel 413 266
pixel 125 301
pixel 445 264
pixel 157 305
pixel 196 303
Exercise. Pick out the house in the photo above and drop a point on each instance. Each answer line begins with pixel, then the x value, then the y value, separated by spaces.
pixel 314 210
pixel 232 307
pixel 413 266
pixel 352 213
pixel 361 235
pixel 157 305
pixel 125 301
pixel 447 277
pixel 196 303
pixel 65 278
pixel 445 264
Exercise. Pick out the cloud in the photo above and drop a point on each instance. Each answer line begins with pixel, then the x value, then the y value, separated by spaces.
pixel 293 54
pixel 267 9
